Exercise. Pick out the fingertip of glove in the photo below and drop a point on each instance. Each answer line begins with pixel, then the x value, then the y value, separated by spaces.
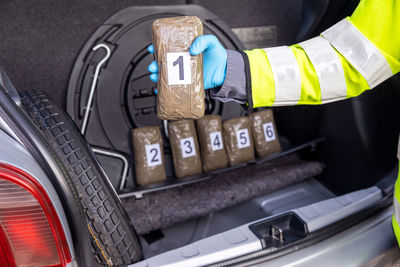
pixel 154 77
pixel 194 50
pixel 150 48
pixel 153 67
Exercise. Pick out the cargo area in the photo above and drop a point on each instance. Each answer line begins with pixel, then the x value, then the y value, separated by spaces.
pixel 293 196
pixel 327 150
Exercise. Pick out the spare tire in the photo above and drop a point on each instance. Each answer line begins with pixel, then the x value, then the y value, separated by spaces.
pixel 114 239
pixel 124 97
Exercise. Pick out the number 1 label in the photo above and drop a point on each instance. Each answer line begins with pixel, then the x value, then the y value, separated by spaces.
pixel 216 141
pixel 243 139
pixel 187 147
pixel 153 155
pixel 178 67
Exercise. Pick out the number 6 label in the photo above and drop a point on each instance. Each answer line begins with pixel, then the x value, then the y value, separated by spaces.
pixel 153 155
pixel 187 147
pixel 269 131
pixel 243 139
pixel 178 68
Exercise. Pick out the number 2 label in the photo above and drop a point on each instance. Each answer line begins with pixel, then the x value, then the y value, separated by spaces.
pixel 216 141
pixel 153 155
pixel 178 67
pixel 269 131
pixel 187 147
pixel 243 139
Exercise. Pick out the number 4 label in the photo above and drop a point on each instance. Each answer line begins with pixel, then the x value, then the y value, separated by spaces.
pixel 187 147
pixel 216 141
pixel 153 155
pixel 269 131
pixel 243 139
pixel 178 67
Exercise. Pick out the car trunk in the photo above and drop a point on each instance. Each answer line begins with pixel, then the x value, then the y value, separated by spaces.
pixel 343 149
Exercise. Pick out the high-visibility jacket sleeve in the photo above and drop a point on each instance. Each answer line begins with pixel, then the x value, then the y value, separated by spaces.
pixel 354 55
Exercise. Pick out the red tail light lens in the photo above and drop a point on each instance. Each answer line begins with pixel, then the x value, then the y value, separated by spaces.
pixel 30 231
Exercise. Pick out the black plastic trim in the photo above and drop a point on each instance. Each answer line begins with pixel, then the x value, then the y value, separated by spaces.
pixel 292 226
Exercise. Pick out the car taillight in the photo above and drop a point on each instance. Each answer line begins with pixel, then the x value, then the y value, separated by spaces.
pixel 30 230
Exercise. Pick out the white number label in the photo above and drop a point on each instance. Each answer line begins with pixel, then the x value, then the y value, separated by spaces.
pixel 216 141
pixel 243 139
pixel 178 66
pixel 187 147
pixel 153 155
pixel 269 131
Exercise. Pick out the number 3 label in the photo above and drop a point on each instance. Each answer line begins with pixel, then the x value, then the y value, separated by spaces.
pixel 178 67
pixel 216 141
pixel 243 139
pixel 153 155
pixel 187 147
pixel 269 131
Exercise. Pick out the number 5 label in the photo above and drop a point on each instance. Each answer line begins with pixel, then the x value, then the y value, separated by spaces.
pixel 178 67
pixel 243 139
pixel 187 147
pixel 153 155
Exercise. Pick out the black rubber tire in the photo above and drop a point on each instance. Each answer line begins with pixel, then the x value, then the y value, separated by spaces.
pixel 115 240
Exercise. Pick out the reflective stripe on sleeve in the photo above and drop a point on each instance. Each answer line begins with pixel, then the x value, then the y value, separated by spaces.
pixel 286 74
pixel 359 51
pixel 396 209
pixel 328 67
pixel 398 149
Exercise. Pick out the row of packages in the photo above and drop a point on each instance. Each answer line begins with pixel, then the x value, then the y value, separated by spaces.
pixel 213 146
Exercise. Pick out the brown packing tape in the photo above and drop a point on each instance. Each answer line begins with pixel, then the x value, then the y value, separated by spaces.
pixel 180 84
pixel 213 154
pixel 264 131
pixel 185 148
pixel 238 140
pixel 148 155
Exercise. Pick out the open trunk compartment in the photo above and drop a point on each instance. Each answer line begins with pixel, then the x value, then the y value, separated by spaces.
pixel 360 135
pixel 106 111
pixel 181 211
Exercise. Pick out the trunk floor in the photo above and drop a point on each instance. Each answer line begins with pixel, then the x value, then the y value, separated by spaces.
pixel 293 196
pixel 211 200
pixel 161 209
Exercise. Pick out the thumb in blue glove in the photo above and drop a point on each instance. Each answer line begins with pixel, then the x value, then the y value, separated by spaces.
pixel 214 60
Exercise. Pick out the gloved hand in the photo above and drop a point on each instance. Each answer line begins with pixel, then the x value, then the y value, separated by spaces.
pixel 214 60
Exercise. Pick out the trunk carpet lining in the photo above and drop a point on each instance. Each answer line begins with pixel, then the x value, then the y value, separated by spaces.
pixel 162 209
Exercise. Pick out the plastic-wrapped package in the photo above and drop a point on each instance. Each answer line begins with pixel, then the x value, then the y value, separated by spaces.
pixel 180 82
pixel 185 148
pixel 148 155
pixel 213 154
pixel 238 140
pixel 264 131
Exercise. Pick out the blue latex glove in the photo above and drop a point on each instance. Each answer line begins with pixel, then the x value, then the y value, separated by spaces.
pixel 214 60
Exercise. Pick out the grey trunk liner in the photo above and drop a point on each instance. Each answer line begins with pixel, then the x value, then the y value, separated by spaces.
pixel 162 209
pixel 290 197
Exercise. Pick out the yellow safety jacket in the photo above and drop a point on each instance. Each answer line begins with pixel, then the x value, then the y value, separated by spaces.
pixel 354 55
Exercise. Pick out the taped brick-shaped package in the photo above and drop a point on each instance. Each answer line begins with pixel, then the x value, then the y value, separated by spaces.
pixel 185 148
pixel 238 140
pixel 180 82
pixel 265 135
pixel 213 154
pixel 148 155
